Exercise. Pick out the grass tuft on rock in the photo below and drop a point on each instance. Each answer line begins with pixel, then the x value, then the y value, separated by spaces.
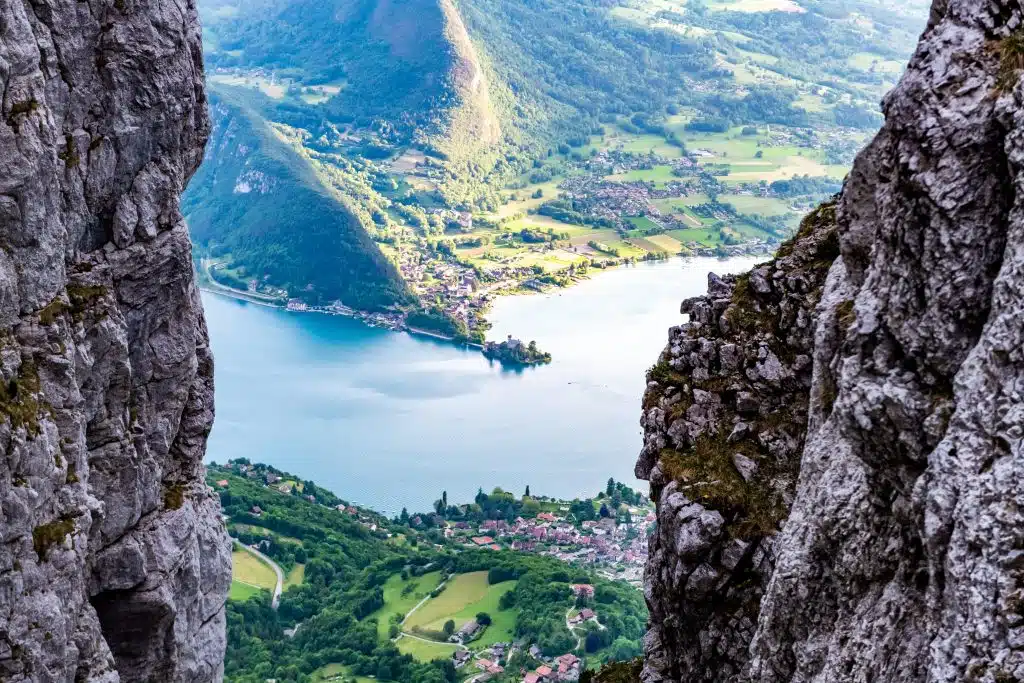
pixel 47 535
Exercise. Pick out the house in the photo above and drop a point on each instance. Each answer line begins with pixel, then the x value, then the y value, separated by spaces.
pixel 223 483
pixel 461 657
pixel 490 667
pixel 482 540
pixel 466 633
pixel 568 667
pixel 256 510
pixel 584 590
pixel 543 671
pixel 587 613
pixel 546 517
pixel 535 652
pixel 531 677
pixel 494 546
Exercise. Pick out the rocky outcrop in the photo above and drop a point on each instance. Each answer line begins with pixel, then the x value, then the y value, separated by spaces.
pixel 872 531
pixel 114 564
pixel 724 419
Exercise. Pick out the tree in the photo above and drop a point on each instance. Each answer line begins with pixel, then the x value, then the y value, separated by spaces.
pixel 604 511
pixel 449 627
pixel 483 618
pixel 611 486
pixel 527 494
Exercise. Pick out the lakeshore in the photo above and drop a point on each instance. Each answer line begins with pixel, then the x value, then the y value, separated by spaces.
pixel 371 412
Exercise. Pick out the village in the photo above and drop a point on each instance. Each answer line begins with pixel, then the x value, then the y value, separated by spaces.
pixel 614 548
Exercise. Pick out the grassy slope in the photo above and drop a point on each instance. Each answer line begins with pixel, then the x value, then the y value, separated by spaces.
pixel 394 601
pixel 248 569
pixel 297 233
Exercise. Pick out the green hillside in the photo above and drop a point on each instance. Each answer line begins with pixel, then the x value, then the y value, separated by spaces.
pixel 375 596
pixel 257 202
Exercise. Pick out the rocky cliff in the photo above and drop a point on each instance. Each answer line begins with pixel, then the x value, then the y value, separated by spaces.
pixel 114 564
pixel 835 439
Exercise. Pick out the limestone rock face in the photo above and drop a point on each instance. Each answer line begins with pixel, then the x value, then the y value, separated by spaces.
pixel 114 564
pixel 892 549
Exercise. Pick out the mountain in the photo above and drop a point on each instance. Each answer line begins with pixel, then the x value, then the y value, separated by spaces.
pixel 285 224
pixel 469 135
pixel 114 564
pixel 833 439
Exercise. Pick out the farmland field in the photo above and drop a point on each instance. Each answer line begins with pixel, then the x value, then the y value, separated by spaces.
pixel 248 569
pixel 398 598
pixel 466 596
pixel 242 591
pixel 423 650
pixel 765 206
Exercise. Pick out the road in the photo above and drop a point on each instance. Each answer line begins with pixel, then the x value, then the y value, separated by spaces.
pixel 273 565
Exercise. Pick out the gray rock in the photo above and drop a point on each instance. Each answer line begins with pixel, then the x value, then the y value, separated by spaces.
pixel 114 564
pixel 897 555
pixel 745 466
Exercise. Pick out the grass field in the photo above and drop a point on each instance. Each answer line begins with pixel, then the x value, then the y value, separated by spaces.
pixel 765 206
pixel 331 672
pixel 395 601
pixel 666 242
pixel 295 576
pixel 464 597
pixel 242 591
pixel 658 174
pixel 867 61
pixel 423 650
pixel 247 568
pixel 642 222
pixel 694 235
pixel 526 199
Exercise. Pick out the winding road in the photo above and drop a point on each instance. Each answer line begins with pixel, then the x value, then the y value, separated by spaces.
pixel 273 565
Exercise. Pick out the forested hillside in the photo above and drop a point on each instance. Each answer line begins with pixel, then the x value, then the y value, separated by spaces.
pixel 354 579
pixel 257 199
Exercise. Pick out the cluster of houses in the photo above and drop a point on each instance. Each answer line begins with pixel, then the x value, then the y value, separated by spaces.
pixel 563 669
pixel 617 550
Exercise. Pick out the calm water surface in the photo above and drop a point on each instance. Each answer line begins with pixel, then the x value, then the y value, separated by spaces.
pixel 388 420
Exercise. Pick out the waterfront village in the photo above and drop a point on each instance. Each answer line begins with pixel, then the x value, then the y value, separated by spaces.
pixel 612 541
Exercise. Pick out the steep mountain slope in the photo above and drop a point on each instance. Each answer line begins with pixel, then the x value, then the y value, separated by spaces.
pixel 256 198
pixel 858 517
pixel 114 563
pixel 407 62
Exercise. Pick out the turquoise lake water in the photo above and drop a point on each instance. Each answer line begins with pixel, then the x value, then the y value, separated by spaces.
pixel 387 420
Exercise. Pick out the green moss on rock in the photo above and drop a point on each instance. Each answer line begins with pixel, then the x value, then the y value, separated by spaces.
pixel 47 535
pixel 19 398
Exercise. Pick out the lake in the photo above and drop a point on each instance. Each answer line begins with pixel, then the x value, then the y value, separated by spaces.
pixel 390 420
